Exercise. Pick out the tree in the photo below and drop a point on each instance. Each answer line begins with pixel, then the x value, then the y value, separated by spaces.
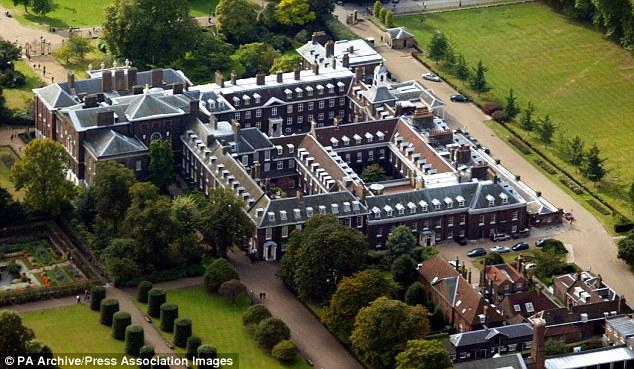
pixel 549 263
pixel 415 294
pixel 630 194
pixel 149 32
pixel 8 54
pixel 270 332
pixel 449 61
pixel 526 122
pixel 423 354
pixel 236 20
pixel 25 3
pixel 112 191
pixel 322 8
pixel 354 293
pixel 161 170
pixel 185 216
pixel 478 79
pixel 400 241
pixel 554 346
pixel 294 13
pixel 208 53
pixel 15 336
pixel 256 57
pixel 546 130
pixel 593 166
pixel 577 153
pixel 382 330
pixel 219 272
pixel 437 46
pixel 284 351
pixel 79 46
pixel 255 314
pixel 493 258
pixel 462 69
pixel 42 172
pixel 377 9
pixel 511 107
pixel 285 63
pixel 225 211
pixel 373 173
pixel 555 245
pixel 404 270
pixel 626 249
pixel 118 261
pixel 389 19
pixel 382 14
pixel 41 7
pixel 10 211
pixel 232 290
pixel 319 255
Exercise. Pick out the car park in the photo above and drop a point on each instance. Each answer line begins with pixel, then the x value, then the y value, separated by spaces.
pixel 495 237
pixel 520 246
pixel 430 76
pixel 500 249
pixel 460 98
pixel 478 251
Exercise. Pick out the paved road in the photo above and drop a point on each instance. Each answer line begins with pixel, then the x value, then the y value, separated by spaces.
pixel 593 247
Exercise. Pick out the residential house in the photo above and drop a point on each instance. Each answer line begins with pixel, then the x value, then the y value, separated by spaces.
pixel 489 342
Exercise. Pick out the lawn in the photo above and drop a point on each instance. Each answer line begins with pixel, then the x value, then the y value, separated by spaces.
pixel 80 13
pixel 219 323
pixel 568 70
pixel 19 98
pixel 5 172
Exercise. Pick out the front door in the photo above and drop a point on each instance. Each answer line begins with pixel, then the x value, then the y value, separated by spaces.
pixel 270 251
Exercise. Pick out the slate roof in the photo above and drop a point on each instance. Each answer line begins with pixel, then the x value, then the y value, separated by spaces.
pixel 624 325
pixel 507 362
pixel 55 97
pixel 592 358
pixel 109 143
pixel 256 139
pixel 147 106
pixel 376 95
pixel 87 118
pixel 484 335
pixel 399 33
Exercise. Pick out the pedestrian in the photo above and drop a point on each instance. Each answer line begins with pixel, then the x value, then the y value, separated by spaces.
pixel 264 295
pixel 52 79
pixel 78 299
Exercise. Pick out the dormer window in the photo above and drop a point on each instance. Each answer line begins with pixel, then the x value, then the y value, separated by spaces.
pixel 236 101
pixel 346 207
pixel 309 212
pixel 257 98
pixel 299 92
pixel 246 99
pixel 322 209
pixel 355 206
pixel 448 202
pixel 369 137
pixel 346 140
pixel 377 212
pixel 342 86
pixel 412 207
pixel 291 148
pixel 400 208
pixel 320 89
pixel 423 206
pixel 283 215
pixel 309 91
pixel 271 216
pixel 436 204
pixel 335 208
pixel 380 135
pixel 297 213
pixel 334 142
pixel 331 88
pixel 388 210
pixel 505 198
pixel 289 93
pixel 460 200
pixel 280 150
pixel 357 139
pixel 491 200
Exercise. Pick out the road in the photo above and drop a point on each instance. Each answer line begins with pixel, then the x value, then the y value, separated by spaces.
pixel 593 247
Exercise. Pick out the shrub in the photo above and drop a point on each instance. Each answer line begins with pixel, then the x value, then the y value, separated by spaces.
pixel 207 352
pixel 232 290
pixel 270 332
pixel 284 351
pixel 555 245
pixel 108 308
pixel 404 270
pixel 415 294
pixel 169 313
pixel 156 298
pixel 255 314
pixel 142 291
pixel 146 352
pixel 182 331
pixel 134 339
pixel 500 116
pixel 191 347
pixel 219 272
pixel 97 293
pixel 491 107
pixel 120 320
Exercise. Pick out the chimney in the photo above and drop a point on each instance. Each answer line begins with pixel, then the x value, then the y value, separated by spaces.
pixel 177 88
pixel 156 78
pixel 335 122
pixel 71 79
pixel 398 110
pixel 330 48
pixel 319 37
pixel 334 63
pixel 105 118
pixel 299 194
pixel 280 76
pixel 358 73
pixel 259 79
pixel 578 275
pixel 538 353
pixel 600 279
pixel 119 80
pixel 194 108
pixel 234 77
pixel 106 81
pixel 296 72
pixel 313 125
pixel 346 61
pixel 236 131
pixel 132 78
pixel 137 90
pixel 351 49
pixel 90 101
pixel 316 68
pixel 520 262
pixel 457 264
pixel 220 79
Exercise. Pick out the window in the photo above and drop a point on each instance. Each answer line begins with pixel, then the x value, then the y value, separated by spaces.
pixel 267 167
pixel 331 89
pixel 331 114
pixel 138 165
pixel 481 220
pixel 284 231
pixel 347 157
pixel 518 285
pixel 309 212
pixel 342 113
pixel 300 108
pixel 271 216
pixel 529 307
pixel 311 105
pixel 415 227
pixel 342 101
pixel 450 221
pixel 359 222
pixel 309 91
pixel 289 121
pixel 514 215
pixel 269 233
pixel 438 222
pixel 320 116
pixel 389 212
pixel 288 130
pixel 258 113
pixel 322 209
pixel 291 163
pixel 507 287
pixel 300 119
pixel 370 155
pixel 379 232
pixel 331 103
pixel 382 154
pixel 280 164
pixel 289 108
pixel 257 98
pixel 462 218
pixel 280 150
pixel 359 157
pixel 321 104
pixel 258 125
pixel 236 116
pixel 517 308
pixel 267 155
pixel 245 160
pixel 247 114
pixel 493 218
pixel 311 117
pixel 274 111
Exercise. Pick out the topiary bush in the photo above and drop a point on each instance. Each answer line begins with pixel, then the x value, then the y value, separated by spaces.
pixel 108 308
pixel 169 313
pixel 182 331
pixel 134 339
pixel 270 332
pixel 219 272
pixel 207 352
pixel 97 293
pixel 415 294
pixel 255 314
pixel 500 116
pixel 142 291
pixel 284 351
pixel 120 320
pixel 156 298
pixel 146 352
pixel 191 348
pixel 491 107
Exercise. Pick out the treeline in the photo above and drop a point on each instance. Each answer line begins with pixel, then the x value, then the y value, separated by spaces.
pixel 615 17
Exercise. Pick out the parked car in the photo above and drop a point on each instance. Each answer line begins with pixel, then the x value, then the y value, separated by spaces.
pixel 495 237
pixel 541 242
pixel 430 76
pixel 461 240
pixel 530 266
pixel 520 246
pixel 478 251
pixel 459 98
pixel 500 249
pixel 522 233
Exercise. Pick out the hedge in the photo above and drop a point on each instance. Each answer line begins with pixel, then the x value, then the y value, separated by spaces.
pixel 108 308
pixel 191 348
pixel 207 352
pixel 182 331
pixel 270 332
pixel 255 314
pixel 146 352
pixel 142 291
pixel 134 339
pixel 120 321
pixel 37 294
pixel 284 351
pixel 169 313
pixel 97 293
pixel 156 298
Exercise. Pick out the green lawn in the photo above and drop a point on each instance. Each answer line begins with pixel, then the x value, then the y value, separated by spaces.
pixel 19 98
pixel 566 69
pixel 5 180
pixel 219 323
pixel 81 13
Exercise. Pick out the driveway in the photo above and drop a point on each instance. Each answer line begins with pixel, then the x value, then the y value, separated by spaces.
pixel 594 249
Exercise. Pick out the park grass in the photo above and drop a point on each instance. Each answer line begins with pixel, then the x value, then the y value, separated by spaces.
pixel 81 13
pixel 5 173
pixel 20 98
pixel 568 70
pixel 219 323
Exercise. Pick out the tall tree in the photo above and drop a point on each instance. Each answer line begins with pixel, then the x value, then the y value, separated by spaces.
pixel 118 260
pixel 256 57
pixel 423 354
pixel 577 153
pixel 404 270
pixel 285 63
pixel 389 19
pixel 373 173
pixel 462 69
pixel 75 47
pixel 8 54
pixel 112 191
pixel 511 107
pixel 437 46
pixel 549 263
pixel 15 336
pixel 527 122
pixel 42 172
pixel 149 32
pixel 225 211
pixel 626 249
pixel 593 167
pixel 382 330
pixel 478 82
pixel 236 20
pixel 161 170
pixel 25 3
pixel 322 8
pixel 546 130
pixel 41 7
pixel 376 11
pixel 208 53
pixel 185 217
pixel 292 13
pixel 401 241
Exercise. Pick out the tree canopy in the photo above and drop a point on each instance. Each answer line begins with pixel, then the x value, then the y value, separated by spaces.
pixel 404 270
pixel 161 170
pixel 112 191
pixel 626 249
pixel 236 20
pixel 15 336
pixel 256 57
pixel 423 354
pixel 208 53
pixel 437 46
pixel 294 13
pixel 593 166
pixel 285 63
pixel 546 130
pixel 478 81
pixel 373 173
pixel 401 241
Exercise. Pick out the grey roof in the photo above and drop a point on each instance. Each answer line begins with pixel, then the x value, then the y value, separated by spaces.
pixel 111 143
pixel 624 325
pixel 510 361
pixel 484 335
pixel 592 358
pixel 147 106
pixel 256 138
pixel 399 33
pixel 494 190
pixel 55 97
pixel 86 118
pixel 378 94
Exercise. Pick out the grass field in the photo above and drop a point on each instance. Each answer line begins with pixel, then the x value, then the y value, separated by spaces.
pixel 5 180
pixel 219 323
pixel 81 13
pixel 566 69
pixel 19 98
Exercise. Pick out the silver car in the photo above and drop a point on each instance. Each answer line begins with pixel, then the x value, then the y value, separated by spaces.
pixel 431 77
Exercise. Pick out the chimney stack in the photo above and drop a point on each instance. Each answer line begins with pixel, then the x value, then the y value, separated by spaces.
pixel 520 262
pixel 330 48
pixel 469 276
pixel 259 79
pixel 350 49
pixel 299 194
pixel 457 264
pixel 132 80
pixel 485 311
pixel 106 81
pixel 296 72
pixel 119 80
pixel 220 79
pixel 280 76
pixel 236 131
pixel 538 352
pixel 234 77
pixel 316 68
pixel 358 73
pixel 156 77
pixel 334 63
pixel 257 169
pixel 71 79
pixel 194 108
pixel 345 61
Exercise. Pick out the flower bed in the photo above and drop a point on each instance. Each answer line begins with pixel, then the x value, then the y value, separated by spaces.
pixel 598 207
pixel 542 164
pixel 520 145
pixel 571 185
